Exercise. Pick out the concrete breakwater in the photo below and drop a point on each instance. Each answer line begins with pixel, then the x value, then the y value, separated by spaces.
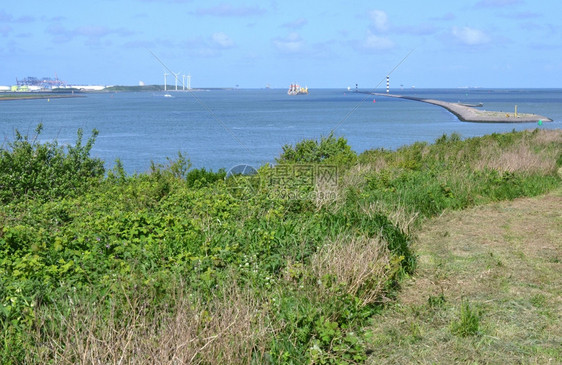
pixel 471 114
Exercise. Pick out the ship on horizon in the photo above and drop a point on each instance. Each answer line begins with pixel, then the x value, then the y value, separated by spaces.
pixel 296 89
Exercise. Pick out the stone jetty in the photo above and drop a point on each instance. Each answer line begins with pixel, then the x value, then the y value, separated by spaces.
pixel 471 114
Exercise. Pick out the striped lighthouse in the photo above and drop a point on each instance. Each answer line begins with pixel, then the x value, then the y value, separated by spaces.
pixel 387 84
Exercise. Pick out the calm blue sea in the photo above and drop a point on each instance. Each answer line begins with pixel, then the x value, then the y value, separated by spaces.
pixel 223 128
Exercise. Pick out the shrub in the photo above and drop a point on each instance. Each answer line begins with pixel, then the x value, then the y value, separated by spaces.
pixel 329 150
pixel 202 177
pixel 174 168
pixel 444 139
pixel 29 169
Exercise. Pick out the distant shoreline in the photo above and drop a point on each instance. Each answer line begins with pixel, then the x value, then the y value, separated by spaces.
pixel 38 96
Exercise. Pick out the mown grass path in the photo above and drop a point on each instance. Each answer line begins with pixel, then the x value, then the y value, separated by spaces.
pixel 494 271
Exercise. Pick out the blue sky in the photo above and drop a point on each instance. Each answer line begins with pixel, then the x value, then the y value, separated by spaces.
pixel 252 43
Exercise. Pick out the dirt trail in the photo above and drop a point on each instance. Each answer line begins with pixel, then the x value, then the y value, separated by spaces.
pixel 505 261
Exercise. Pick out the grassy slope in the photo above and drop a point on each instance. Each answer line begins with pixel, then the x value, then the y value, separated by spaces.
pixel 504 261
pixel 128 262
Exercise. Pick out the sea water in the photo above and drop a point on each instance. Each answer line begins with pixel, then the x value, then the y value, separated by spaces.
pixel 223 128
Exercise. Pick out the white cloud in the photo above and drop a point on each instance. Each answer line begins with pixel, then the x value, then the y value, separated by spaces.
pixel 5 30
pixel 92 33
pixel 421 29
pixel 497 3
pixel 168 1
pixel 445 17
pixel 222 40
pixel 227 10
pixel 139 44
pixel 5 17
pixel 470 36
pixel 60 34
pixel 211 46
pixel 299 23
pixel 374 42
pixel 293 43
pixel 380 20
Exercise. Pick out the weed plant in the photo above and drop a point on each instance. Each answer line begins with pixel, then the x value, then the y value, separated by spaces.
pixel 171 267
pixel 468 323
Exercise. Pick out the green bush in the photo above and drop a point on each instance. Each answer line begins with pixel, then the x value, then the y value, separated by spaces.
pixel 202 177
pixel 29 169
pixel 329 150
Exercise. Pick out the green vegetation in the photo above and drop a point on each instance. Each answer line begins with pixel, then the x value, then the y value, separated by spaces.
pixel 30 170
pixel 468 323
pixel 120 88
pixel 178 266
pixel 330 150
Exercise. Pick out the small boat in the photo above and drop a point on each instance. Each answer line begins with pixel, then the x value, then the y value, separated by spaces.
pixel 167 95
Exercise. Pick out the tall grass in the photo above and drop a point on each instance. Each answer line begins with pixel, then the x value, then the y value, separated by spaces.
pixel 361 267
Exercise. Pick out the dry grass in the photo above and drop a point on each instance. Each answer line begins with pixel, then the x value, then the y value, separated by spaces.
pixel 230 329
pixel 523 157
pixel 356 175
pixel 326 194
pixel 359 265
pixel 519 158
pixel 505 261
pixel 397 212
pixel 548 136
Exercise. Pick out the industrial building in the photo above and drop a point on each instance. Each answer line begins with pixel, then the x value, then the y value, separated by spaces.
pixel 31 83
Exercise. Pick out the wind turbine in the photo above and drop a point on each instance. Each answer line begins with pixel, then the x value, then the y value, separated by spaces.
pixel 168 69
pixel 176 76
pixel 183 81
pixel 188 82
